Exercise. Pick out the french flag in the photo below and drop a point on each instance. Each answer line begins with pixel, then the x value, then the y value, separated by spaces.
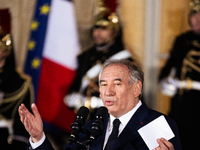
pixel 51 59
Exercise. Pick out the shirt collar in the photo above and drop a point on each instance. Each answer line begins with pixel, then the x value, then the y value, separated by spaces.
pixel 125 118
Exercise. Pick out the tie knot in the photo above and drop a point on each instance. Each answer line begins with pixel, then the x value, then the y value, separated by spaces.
pixel 116 123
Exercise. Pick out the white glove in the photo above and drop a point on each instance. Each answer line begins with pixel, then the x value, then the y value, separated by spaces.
pixel 169 86
pixel 74 100
pixel 96 102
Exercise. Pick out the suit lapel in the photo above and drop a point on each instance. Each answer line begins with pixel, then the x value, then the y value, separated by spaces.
pixel 130 132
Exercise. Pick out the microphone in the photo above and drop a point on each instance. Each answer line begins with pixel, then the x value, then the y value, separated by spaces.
pixel 96 126
pixel 76 126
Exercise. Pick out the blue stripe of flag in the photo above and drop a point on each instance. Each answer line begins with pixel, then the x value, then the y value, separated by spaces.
pixel 38 36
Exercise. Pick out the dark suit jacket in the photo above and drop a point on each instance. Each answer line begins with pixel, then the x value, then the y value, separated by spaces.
pixel 129 139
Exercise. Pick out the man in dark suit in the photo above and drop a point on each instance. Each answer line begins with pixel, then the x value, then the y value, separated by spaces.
pixel 120 87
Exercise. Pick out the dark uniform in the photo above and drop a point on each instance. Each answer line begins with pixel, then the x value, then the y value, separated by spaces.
pixel 14 90
pixel 185 104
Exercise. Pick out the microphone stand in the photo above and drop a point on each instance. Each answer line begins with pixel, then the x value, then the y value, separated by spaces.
pixel 87 144
pixel 87 147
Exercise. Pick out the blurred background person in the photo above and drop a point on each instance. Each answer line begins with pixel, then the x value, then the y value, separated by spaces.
pixel 180 79
pixel 107 36
pixel 15 88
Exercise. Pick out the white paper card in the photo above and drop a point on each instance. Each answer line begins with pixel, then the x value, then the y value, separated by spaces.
pixel 156 129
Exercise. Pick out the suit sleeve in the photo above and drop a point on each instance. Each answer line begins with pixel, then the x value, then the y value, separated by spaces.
pixel 176 56
pixel 46 145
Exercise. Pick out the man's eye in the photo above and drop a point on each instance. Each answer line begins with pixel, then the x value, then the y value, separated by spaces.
pixel 103 84
pixel 117 83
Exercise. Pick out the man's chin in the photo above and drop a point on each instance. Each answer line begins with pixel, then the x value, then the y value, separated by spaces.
pixel 101 44
pixel 197 32
pixel 196 29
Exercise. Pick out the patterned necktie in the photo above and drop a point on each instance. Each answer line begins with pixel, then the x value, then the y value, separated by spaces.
pixel 113 135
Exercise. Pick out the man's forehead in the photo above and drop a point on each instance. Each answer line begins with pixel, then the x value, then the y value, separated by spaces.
pixel 115 72
pixel 113 68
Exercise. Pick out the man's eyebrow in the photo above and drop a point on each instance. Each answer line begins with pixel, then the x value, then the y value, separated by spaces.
pixel 118 79
pixel 102 81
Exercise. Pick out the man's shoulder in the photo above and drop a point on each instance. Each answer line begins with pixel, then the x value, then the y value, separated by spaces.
pixel 153 114
pixel 186 35
pixel 87 50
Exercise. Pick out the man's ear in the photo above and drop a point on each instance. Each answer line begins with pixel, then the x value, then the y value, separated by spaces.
pixel 138 88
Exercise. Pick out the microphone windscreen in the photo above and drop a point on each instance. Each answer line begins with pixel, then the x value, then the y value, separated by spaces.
pixel 83 111
pixel 102 111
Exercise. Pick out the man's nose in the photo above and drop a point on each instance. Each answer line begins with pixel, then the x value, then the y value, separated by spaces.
pixel 110 90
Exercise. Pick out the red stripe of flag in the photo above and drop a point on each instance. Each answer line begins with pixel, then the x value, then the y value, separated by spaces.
pixel 50 98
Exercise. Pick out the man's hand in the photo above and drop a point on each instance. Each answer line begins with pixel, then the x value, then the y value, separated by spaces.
pixel 32 122
pixel 164 145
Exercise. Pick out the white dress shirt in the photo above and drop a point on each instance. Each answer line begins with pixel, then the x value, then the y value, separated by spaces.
pixel 123 119
pixel 37 144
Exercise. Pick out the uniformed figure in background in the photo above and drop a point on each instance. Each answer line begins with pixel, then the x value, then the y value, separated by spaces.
pixel 14 90
pixel 108 44
pixel 180 78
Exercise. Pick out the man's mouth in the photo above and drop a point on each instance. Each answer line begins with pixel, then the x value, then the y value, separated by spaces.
pixel 110 102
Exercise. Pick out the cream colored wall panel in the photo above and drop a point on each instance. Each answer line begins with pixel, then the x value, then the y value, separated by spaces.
pixel 133 19
pixel 85 13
